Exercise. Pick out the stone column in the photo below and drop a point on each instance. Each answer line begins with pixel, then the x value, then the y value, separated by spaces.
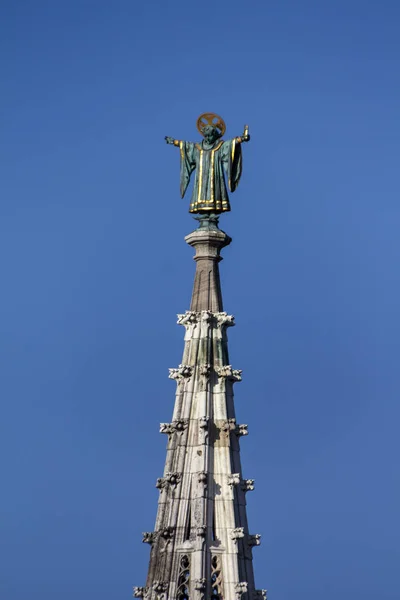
pixel 207 287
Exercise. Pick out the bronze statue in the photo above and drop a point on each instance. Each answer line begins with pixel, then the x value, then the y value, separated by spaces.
pixel 211 158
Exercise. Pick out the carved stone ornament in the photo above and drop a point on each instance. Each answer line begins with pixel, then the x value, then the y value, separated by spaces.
pixel 169 479
pixel 160 587
pixel 202 477
pixel 227 372
pixel 254 540
pixel 206 316
pixel 260 595
pixel 205 370
pixel 247 485
pixel 224 320
pixel 240 589
pixel 178 426
pixel 237 533
pixel 182 372
pixel 217 580
pixel 203 422
pixel 200 584
pixel 228 426
pixel 236 375
pixel 201 531
pixel 234 479
pixel 167 533
pixel 173 478
pixel 162 483
pixel 189 318
pixel 231 426
pixel 167 428
pixel 139 592
pixel 149 537
pixel 241 430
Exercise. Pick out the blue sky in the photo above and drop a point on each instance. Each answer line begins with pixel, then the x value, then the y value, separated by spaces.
pixel 94 270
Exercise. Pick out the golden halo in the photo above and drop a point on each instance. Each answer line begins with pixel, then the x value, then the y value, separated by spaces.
pixel 213 120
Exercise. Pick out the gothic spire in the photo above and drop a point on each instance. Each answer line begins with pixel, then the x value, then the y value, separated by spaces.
pixel 201 546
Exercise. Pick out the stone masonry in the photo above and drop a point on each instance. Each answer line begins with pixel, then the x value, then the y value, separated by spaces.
pixel 201 547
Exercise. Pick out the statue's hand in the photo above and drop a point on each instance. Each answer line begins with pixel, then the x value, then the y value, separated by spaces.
pixel 246 135
pixel 169 140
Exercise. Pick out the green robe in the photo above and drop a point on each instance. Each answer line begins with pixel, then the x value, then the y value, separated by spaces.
pixel 209 190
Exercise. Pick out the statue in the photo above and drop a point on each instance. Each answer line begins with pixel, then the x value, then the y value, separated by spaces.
pixel 211 158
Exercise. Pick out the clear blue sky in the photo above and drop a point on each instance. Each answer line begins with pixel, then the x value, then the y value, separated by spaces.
pixel 94 270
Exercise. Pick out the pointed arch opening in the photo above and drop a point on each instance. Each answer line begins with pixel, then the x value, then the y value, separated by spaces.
pixel 217 591
pixel 184 578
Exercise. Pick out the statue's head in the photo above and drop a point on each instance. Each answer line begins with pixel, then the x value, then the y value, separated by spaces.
pixel 211 126
pixel 211 134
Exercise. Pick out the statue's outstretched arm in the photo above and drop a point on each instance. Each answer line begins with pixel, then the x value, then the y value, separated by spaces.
pixel 245 137
pixel 171 140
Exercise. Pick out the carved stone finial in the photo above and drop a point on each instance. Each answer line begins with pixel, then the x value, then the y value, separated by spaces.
pixel 166 428
pixel 174 374
pixel 224 320
pixel 139 592
pixel 231 426
pixel 173 478
pixel 260 595
pixel 234 479
pixel 205 370
pixel 160 587
pixel 224 371
pixel 206 316
pixel 178 426
pixel 200 584
pixel 162 483
pixel 167 533
pixel 168 479
pixel 228 426
pixel 254 540
pixel 203 422
pixel 201 531
pixel 202 477
pixel 240 589
pixel 241 430
pixel 189 318
pixel 228 373
pixel 236 375
pixel 237 533
pixel 148 537
pixel 182 372
pixel 247 485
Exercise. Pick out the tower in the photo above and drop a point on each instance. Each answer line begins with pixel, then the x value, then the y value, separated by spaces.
pixel 201 547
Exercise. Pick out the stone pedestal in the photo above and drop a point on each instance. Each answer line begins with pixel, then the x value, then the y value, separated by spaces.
pixel 207 288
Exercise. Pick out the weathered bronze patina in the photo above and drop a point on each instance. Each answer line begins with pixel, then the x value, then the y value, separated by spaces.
pixel 211 158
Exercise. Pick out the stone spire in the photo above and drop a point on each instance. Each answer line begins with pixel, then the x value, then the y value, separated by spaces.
pixel 201 547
